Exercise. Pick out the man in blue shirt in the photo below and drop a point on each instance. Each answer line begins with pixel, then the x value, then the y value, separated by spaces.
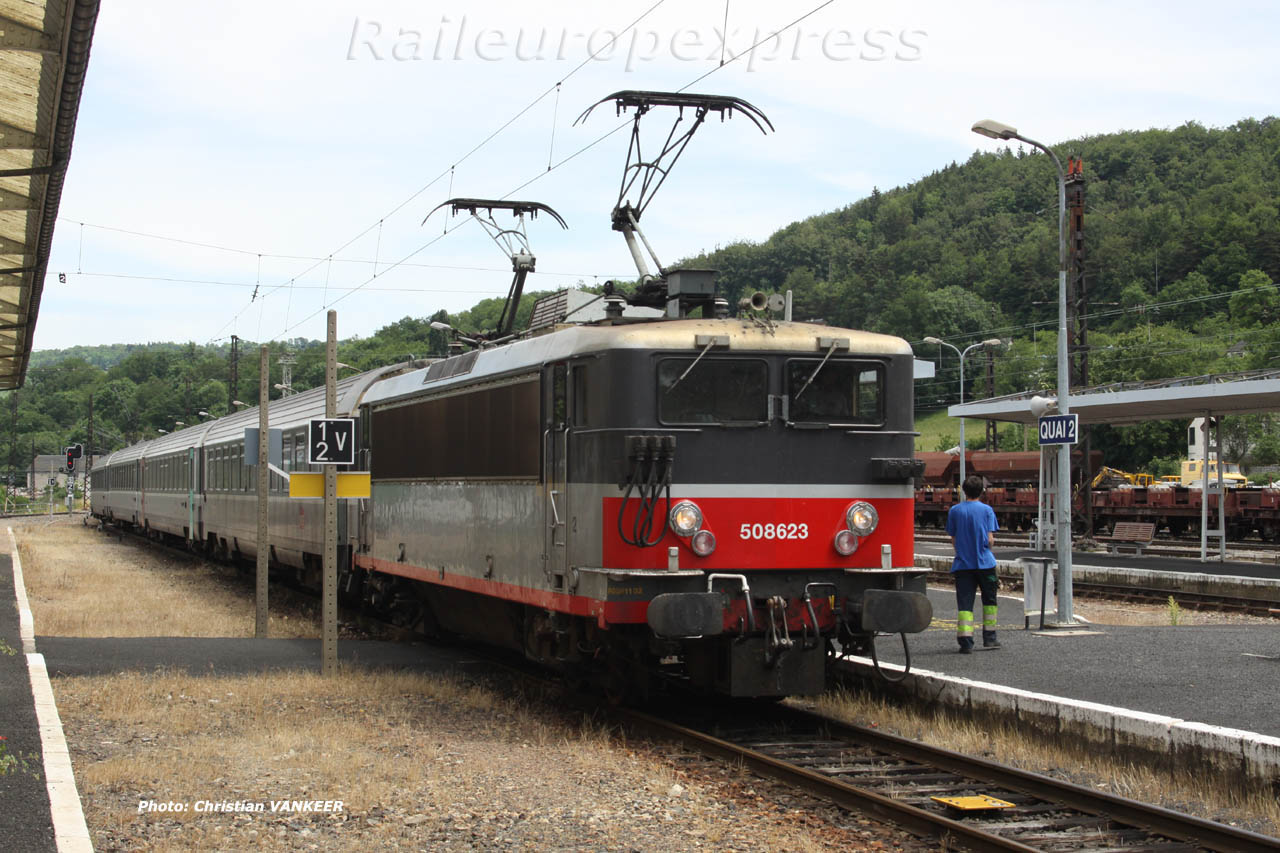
pixel 972 526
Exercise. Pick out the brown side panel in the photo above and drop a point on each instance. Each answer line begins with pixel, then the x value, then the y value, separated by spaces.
pixel 488 432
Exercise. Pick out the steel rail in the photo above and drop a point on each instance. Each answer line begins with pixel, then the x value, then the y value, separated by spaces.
pixel 915 820
pixel 1155 820
pixel 1215 836
pixel 1154 595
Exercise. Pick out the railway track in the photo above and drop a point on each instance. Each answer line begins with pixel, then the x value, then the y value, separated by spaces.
pixel 895 779
pixel 1248 550
pixel 1267 607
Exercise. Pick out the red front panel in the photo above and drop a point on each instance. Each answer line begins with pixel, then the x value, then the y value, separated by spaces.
pixel 766 533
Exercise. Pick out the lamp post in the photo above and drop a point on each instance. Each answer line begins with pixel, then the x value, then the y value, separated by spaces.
pixel 989 342
pixel 997 130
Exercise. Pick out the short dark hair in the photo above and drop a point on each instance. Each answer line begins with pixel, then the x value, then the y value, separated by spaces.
pixel 973 487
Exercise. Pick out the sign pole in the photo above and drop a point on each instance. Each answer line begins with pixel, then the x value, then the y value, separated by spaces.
pixel 1062 429
pixel 260 621
pixel 329 581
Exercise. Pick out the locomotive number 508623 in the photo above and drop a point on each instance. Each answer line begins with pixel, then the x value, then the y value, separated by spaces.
pixel 774 531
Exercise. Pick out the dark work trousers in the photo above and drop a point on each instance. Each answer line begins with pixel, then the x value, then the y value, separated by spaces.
pixel 968 582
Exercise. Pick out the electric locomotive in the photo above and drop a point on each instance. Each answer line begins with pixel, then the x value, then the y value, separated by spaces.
pixel 717 499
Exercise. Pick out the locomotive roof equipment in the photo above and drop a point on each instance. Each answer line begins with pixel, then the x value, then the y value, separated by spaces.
pixel 513 242
pixel 689 288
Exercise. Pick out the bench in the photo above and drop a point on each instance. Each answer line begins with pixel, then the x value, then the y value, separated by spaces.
pixel 1129 534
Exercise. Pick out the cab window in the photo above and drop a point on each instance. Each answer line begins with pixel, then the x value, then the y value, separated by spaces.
pixel 838 392
pixel 725 391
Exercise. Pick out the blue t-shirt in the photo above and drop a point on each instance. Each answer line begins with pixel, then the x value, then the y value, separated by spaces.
pixel 970 522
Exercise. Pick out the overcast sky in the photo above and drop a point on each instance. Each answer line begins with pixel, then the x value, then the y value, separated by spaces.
pixel 309 140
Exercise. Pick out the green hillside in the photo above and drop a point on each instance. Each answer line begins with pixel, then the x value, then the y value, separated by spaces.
pixel 1182 233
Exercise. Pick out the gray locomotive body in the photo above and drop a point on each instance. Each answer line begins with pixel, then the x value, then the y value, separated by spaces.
pixel 719 501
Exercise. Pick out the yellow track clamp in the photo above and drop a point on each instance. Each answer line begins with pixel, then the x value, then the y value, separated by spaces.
pixel 979 802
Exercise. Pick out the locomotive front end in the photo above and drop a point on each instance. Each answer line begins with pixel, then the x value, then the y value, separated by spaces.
pixel 755 495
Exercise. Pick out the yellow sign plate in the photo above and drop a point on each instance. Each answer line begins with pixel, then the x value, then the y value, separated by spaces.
pixel 350 485
pixel 975 803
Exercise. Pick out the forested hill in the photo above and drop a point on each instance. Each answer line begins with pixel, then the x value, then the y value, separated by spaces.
pixel 973 248
pixel 1182 246
pixel 1182 243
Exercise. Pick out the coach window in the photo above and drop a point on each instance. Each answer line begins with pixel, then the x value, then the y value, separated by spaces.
pixel 299 451
pixel 724 391
pixel 838 392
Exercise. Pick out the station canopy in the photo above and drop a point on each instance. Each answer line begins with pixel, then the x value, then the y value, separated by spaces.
pixel 1126 403
pixel 44 51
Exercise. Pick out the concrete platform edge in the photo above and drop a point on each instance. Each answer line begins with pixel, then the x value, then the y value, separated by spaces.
pixel 1259 589
pixel 1121 732
pixel 26 627
pixel 71 832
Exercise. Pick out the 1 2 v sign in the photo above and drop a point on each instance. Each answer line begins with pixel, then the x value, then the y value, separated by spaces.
pixel 332 441
pixel 1060 429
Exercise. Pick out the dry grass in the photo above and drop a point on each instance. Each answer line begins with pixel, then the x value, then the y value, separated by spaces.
pixel 83 583
pixel 420 762
pixel 1005 744
pixel 1100 612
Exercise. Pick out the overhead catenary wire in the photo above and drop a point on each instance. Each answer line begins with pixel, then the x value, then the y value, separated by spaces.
pixel 586 147
pixel 453 166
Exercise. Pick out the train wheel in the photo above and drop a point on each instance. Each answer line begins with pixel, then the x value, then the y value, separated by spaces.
pixel 623 681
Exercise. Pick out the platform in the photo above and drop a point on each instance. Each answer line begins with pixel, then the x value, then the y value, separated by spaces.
pixel 26 821
pixel 1202 692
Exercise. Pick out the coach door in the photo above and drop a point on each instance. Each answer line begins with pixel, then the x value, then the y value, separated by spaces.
pixel 555 447
pixel 195 508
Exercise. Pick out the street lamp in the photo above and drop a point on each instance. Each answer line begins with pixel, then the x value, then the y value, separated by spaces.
pixel 999 130
pixel 989 342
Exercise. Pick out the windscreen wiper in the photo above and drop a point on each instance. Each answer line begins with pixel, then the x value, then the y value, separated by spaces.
pixel 832 345
pixel 706 342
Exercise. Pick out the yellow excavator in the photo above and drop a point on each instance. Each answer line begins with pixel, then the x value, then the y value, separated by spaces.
pixel 1109 478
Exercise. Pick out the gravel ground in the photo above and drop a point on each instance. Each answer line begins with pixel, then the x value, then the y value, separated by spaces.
pixel 502 780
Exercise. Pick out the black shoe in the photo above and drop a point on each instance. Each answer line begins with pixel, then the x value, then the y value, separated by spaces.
pixel 993 644
pixel 966 650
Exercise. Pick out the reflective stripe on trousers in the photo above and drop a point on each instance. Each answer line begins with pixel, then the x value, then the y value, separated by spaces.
pixel 964 623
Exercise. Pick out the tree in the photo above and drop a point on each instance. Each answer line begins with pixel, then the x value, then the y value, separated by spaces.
pixel 1256 301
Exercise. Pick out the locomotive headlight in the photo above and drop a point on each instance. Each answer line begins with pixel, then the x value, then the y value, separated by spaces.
pixel 846 543
pixel 862 518
pixel 686 519
pixel 704 542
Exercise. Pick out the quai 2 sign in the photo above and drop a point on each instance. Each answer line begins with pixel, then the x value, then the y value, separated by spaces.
pixel 1060 429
